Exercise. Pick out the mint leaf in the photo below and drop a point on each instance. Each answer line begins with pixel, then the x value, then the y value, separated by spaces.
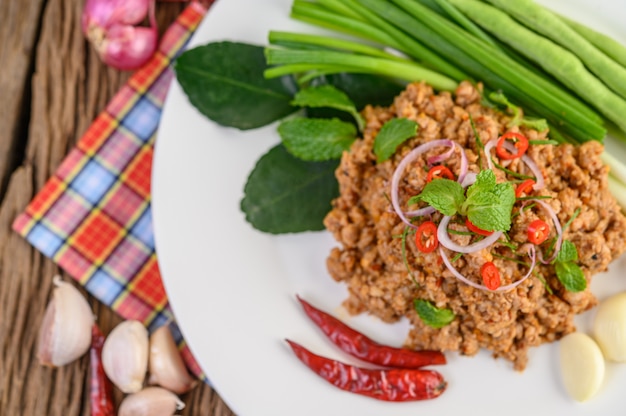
pixel 431 315
pixel 316 139
pixel 284 194
pixel 328 96
pixel 445 195
pixel 488 205
pixel 225 82
pixel 571 276
pixel 391 135
pixel 567 252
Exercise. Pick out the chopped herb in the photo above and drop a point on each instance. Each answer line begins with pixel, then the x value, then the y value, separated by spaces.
pixel 405 260
pixel 543 142
pixel 538 124
pixel 526 198
pixel 391 135
pixel 457 232
pixel 456 257
pixel 545 284
pixel 431 315
pixel 572 218
pixel 511 173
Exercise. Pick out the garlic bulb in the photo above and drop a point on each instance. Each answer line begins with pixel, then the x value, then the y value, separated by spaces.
pixel 65 332
pixel 582 366
pixel 609 327
pixel 125 356
pixel 166 365
pixel 151 401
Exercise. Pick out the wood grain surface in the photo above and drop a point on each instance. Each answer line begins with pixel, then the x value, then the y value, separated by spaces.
pixel 52 86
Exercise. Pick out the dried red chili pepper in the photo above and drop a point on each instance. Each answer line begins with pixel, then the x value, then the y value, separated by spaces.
pixel 100 394
pixel 395 385
pixel 362 347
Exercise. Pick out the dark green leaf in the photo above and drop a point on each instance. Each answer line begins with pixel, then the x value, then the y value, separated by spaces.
pixel 316 139
pixel 225 82
pixel 288 195
pixel 571 276
pixel 445 195
pixel 363 89
pixel 567 252
pixel 391 135
pixel 431 315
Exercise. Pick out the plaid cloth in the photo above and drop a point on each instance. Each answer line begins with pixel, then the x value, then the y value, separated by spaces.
pixel 93 216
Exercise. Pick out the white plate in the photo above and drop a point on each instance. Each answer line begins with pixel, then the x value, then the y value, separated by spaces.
pixel 232 288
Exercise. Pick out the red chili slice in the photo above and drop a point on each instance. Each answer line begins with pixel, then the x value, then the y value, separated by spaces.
pixel 439 172
pixel 538 232
pixel 519 141
pixel 426 237
pixel 524 187
pixel 490 275
pixel 477 230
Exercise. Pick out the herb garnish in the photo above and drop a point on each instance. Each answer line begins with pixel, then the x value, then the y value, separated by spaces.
pixel 487 204
pixel 330 97
pixel 431 315
pixel 316 139
pixel 567 271
pixel 391 135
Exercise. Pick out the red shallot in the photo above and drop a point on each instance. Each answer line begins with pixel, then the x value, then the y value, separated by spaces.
pixel 414 154
pixel 110 26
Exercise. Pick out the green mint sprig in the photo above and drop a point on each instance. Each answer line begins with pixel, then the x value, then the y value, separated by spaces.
pixel 487 204
pixel 567 271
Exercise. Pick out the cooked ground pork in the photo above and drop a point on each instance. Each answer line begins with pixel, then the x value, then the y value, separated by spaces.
pixel 370 260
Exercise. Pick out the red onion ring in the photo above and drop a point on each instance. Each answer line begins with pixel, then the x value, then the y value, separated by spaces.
pixel 557 227
pixel 534 168
pixel 414 154
pixel 446 241
pixel 458 275
pixel 433 160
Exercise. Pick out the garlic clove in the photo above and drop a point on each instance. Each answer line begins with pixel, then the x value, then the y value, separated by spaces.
pixel 151 401
pixel 65 332
pixel 166 364
pixel 609 327
pixel 125 356
pixel 582 366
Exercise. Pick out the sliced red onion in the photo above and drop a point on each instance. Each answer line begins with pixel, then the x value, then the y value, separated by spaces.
pixel 446 241
pixel 557 227
pixel 534 168
pixel 433 160
pixel 469 180
pixel 458 275
pixel 414 154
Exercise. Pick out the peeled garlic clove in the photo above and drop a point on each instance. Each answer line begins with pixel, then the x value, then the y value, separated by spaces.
pixel 609 327
pixel 65 332
pixel 125 356
pixel 151 401
pixel 582 366
pixel 166 365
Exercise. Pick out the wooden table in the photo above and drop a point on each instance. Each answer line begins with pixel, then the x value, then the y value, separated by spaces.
pixel 52 86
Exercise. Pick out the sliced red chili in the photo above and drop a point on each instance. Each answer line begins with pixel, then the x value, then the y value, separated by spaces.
pixel 439 172
pixel 524 187
pixel 490 275
pixel 538 232
pixel 519 141
pixel 394 385
pixel 475 229
pixel 426 237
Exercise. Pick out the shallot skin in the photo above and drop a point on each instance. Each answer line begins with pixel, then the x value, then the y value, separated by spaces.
pixel 109 25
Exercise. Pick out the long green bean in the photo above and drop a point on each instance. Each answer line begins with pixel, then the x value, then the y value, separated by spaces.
pixel 543 21
pixel 606 44
pixel 555 59
pixel 460 47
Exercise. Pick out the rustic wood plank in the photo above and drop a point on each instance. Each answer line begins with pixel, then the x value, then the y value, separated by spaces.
pixel 69 88
pixel 18 36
